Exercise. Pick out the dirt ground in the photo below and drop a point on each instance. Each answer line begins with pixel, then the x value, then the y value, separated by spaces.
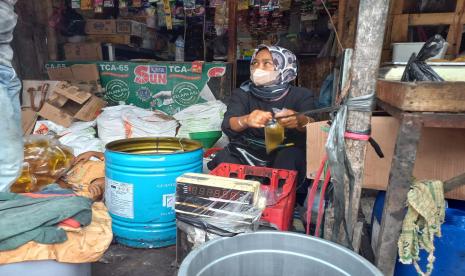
pixel 124 261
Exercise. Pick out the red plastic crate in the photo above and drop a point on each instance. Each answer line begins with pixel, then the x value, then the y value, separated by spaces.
pixel 280 214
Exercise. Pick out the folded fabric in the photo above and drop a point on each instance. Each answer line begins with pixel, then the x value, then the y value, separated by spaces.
pixel 81 179
pixel 425 214
pixel 24 219
pixel 84 245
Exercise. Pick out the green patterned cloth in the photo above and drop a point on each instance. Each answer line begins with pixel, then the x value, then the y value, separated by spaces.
pixel 425 214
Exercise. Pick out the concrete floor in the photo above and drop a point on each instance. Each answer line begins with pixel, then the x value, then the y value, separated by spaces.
pixel 124 261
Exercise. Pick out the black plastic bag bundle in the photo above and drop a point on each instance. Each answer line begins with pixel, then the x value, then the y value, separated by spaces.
pixel 417 69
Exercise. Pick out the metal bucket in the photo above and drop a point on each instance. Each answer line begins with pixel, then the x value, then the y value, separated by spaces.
pixel 140 187
pixel 271 253
pixel 45 268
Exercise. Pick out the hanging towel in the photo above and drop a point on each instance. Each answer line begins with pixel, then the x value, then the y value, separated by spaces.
pixel 425 215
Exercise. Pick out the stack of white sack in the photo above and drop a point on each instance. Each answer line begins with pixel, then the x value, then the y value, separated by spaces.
pixel 126 121
pixel 80 136
pixel 201 117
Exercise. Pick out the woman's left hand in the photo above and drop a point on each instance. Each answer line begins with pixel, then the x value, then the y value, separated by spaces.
pixel 288 122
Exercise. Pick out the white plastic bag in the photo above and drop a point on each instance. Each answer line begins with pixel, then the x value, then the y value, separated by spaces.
pixel 201 117
pixel 145 123
pixel 110 123
pixel 80 136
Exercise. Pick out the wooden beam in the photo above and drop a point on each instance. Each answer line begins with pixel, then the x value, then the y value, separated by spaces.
pixel 399 30
pixel 350 24
pixel 29 41
pixel 422 19
pixel 400 179
pixel 454 183
pixel 397 6
pixel 341 14
pixel 365 64
pixel 232 38
pixel 454 36
pixel 52 42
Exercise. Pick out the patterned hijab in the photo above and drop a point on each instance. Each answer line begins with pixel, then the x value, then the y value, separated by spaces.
pixel 285 63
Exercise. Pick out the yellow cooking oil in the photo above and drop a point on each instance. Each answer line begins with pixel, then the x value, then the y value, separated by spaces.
pixel 274 135
pixel 44 163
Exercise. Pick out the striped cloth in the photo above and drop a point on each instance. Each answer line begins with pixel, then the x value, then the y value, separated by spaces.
pixel 8 20
pixel 425 214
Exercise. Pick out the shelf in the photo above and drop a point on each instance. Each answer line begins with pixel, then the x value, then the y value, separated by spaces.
pixel 115 50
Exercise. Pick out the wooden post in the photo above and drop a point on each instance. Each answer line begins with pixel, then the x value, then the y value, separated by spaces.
pixel 400 179
pixel 350 22
pixel 52 42
pixel 365 64
pixel 341 15
pixel 232 38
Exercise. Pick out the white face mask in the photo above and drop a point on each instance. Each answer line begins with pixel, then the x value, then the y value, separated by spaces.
pixel 261 77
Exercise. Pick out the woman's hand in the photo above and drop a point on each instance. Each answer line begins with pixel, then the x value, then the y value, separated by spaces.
pixel 258 119
pixel 288 122
pixel 88 155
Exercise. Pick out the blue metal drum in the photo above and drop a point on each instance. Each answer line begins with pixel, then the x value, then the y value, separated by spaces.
pixel 140 187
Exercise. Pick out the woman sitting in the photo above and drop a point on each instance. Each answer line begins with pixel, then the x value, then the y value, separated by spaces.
pixel 268 95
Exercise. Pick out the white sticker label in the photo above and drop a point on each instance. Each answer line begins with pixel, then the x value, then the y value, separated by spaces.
pixel 169 200
pixel 119 198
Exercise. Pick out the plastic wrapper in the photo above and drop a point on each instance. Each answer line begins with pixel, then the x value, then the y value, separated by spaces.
pixel 417 69
pixel 337 156
pixel 218 205
pixel 45 160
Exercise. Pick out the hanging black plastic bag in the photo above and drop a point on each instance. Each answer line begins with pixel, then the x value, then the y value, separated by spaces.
pixel 417 69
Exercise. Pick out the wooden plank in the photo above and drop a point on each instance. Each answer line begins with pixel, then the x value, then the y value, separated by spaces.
pixel 398 6
pixel 357 236
pixel 350 24
pixel 388 31
pixel 454 183
pixel 52 41
pixel 454 36
pixel 399 31
pixel 365 64
pixel 29 41
pixel 341 14
pixel 444 120
pixel 399 183
pixel 421 19
pixel 424 96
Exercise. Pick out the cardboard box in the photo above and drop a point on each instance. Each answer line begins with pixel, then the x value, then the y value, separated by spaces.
pixel 440 154
pixel 111 27
pixel 28 120
pixel 130 27
pixel 115 39
pixel 77 104
pixel 84 76
pixel 100 26
pixel 83 51
pixel 35 87
pixel 73 97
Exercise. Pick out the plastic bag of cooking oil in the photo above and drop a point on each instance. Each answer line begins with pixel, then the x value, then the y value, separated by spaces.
pixel 274 135
pixel 45 160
